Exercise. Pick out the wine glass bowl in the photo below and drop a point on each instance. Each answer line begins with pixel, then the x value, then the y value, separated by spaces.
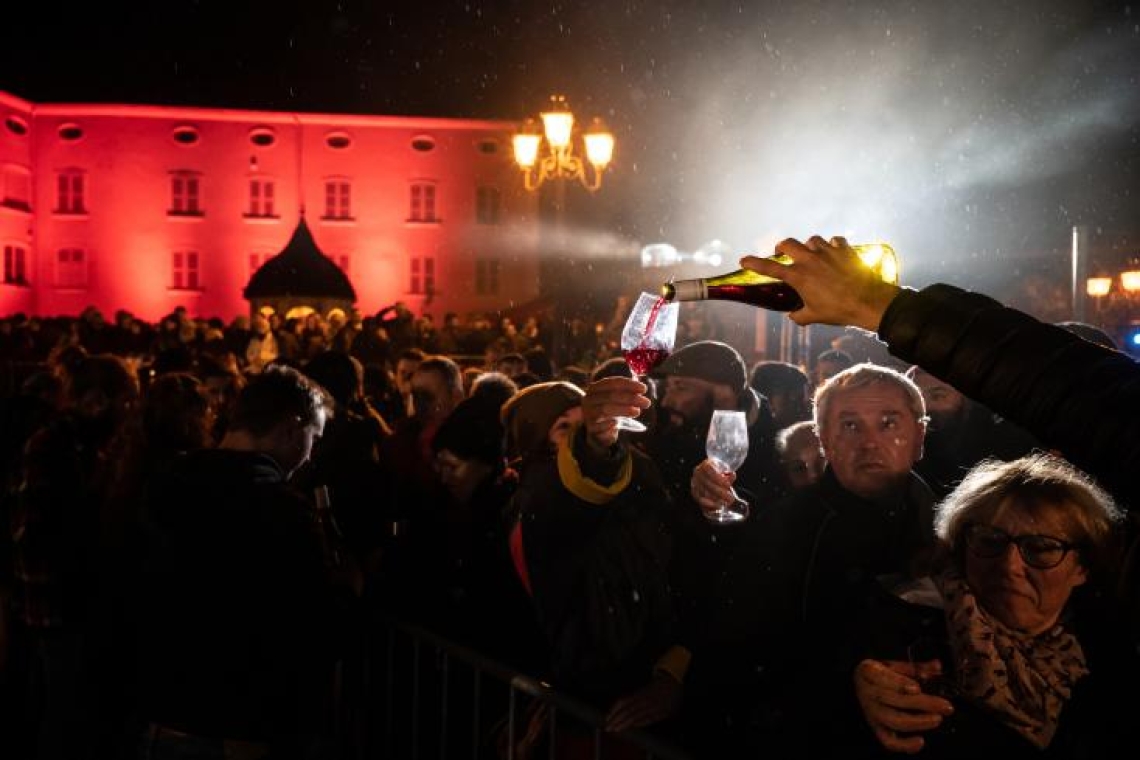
pixel 727 448
pixel 646 341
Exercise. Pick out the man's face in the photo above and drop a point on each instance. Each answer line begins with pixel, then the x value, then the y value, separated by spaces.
pixel 297 441
pixel 871 438
pixel 563 425
pixel 432 399
pixel 221 391
pixel 944 404
pixel 405 368
pixel 803 461
pixel 688 402
pixel 460 476
pixel 512 368
pixel 790 407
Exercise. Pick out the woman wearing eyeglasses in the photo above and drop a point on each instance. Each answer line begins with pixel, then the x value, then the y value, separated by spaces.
pixel 1003 650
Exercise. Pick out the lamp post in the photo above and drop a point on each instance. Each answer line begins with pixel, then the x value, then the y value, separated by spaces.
pixel 1097 288
pixel 559 160
pixel 560 152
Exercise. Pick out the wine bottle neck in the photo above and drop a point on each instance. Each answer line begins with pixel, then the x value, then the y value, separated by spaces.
pixel 690 290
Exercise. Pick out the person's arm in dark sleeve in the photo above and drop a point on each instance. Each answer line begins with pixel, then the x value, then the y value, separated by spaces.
pixel 1075 396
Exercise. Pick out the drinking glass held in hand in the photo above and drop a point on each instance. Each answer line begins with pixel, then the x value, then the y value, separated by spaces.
pixel 727 447
pixel 646 341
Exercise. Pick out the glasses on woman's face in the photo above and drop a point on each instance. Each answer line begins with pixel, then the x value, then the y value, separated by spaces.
pixel 1041 552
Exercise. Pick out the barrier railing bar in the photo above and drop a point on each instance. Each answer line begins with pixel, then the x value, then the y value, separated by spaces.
pixel 519 682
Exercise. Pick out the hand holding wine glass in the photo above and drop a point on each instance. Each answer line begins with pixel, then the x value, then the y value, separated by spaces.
pixel 646 341
pixel 727 448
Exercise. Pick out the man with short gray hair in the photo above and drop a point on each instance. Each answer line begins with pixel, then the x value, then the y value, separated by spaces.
pixel 819 554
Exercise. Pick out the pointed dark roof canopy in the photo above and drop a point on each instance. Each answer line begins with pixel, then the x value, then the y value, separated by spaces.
pixel 300 269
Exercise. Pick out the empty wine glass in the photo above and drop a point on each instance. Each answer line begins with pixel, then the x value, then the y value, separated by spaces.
pixel 727 448
pixel 646 341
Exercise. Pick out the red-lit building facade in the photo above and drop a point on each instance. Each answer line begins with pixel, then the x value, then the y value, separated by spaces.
pixel 149 208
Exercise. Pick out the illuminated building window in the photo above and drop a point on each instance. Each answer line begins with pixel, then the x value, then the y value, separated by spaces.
pixel 15 188
pixel 338 199
pixel 487 205
pixel 15 265
pixel 71 268
pixel 70 187
pixel 423 203
pixel 487 277
pixel 184 271
pixel 261 198
pixel 185 198
pixel 423 275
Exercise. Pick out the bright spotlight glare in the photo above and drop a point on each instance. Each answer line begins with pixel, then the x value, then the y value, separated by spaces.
pixel 659 255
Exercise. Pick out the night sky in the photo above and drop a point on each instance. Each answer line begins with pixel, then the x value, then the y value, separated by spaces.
pixel 973 135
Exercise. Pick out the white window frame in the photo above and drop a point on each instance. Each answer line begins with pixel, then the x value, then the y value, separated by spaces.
pixel 71 192
pixel 262 198
pixel 422 275
pixel 71 268
pixel 423 200
pixel 15 264
pixel 487 273
pixel 185 270
pixel 338 198
pixel 185 194
pixel 488 201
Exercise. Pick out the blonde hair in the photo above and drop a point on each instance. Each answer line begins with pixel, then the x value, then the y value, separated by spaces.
pixel 1036 483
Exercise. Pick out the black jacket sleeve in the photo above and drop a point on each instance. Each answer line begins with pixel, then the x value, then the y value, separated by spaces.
pixel 1077 397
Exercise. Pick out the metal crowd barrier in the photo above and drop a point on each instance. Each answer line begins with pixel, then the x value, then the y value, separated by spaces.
pixel 470 706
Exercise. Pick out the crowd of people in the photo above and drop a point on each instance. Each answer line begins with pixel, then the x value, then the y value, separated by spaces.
pixel 939 554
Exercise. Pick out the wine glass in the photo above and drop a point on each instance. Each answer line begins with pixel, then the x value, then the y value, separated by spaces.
pixel 646 341
pixel 727 448
pixel 938 681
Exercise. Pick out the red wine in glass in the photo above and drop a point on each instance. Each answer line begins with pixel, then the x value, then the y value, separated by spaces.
pixel 643 360
pixel 647 340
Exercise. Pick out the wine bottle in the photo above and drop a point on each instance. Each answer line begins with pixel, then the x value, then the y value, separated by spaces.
pixel 746 286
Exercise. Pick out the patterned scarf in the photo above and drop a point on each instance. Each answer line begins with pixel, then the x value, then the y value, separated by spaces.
pixel 1023 680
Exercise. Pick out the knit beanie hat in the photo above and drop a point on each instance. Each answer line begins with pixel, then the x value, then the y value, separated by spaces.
pixel 530 414
pixel 708 360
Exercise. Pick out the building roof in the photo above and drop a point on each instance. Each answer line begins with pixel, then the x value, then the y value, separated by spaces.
pixel 300 269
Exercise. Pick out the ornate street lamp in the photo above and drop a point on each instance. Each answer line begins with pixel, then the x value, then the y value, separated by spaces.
pixel 559 160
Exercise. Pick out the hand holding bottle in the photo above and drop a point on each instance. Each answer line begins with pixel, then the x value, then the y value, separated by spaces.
pixel 834 284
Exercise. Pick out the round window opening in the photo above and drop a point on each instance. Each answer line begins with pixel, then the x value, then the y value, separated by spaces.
pixel 185 135
pixel 70 132
pixel 262 138
pixel 16 125
pixel 338 141
pixel 423 144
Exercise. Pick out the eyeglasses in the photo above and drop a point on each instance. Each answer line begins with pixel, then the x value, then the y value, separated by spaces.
pixel 1041 552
